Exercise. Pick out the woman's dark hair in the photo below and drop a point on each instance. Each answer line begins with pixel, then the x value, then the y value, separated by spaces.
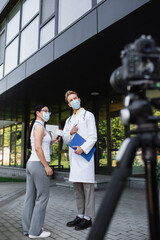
pixel 37 108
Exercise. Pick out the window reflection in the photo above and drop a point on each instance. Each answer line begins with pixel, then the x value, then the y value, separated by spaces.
pixel 71 10
pixel 1 147
pixel 6 148
pixel 11 56
pixel 47 32
pixel 48 8
pixel 29 40
pixel 98 1
pixel 18 156
pixel 11 145
pixel 2 46
pixel 13 24
pixel 1 71
pixel 30 8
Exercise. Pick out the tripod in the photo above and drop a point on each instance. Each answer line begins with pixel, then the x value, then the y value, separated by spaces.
pixel 147 138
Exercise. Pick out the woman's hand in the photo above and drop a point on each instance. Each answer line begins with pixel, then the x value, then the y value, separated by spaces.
pixel 48 170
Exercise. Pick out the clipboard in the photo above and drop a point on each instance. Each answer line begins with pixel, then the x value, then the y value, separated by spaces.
pixel 77 140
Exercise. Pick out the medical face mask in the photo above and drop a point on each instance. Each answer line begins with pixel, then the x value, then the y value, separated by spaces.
pixel 75 104
pixel 46 116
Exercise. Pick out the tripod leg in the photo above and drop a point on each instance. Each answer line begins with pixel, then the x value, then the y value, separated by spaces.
pixel 150 159
pixel 116 186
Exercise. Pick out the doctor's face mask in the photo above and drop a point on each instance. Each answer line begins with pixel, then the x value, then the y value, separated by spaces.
pixel 74 101
pixel 75 104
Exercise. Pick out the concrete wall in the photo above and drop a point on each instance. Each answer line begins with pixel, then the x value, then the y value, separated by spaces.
pixel 12 172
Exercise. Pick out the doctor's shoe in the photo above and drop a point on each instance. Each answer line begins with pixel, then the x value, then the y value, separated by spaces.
pixel 44 234
pixel 83 224
pixel 73 223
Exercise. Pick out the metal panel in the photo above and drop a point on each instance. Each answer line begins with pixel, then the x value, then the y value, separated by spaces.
pixel 40 59
pixel 15 76
pixel 113 10
pixel 76 34
pixel 2 85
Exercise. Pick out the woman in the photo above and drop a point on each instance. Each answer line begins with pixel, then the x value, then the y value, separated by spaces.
pixel 38 176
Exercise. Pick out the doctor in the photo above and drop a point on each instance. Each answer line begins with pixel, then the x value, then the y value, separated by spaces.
pixel 81 171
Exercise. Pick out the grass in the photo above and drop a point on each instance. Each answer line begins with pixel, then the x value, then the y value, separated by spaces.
pixel 63 162
pixel 8 179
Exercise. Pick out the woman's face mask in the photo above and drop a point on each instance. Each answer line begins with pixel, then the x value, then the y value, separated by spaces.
pixel 46 116
pixel 75 104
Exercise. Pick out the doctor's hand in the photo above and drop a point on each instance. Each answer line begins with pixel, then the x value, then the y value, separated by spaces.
pixel 56 140
pixel 79 150
pixel 74 129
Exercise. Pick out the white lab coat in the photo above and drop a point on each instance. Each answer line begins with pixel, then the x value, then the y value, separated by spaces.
pixel 80 169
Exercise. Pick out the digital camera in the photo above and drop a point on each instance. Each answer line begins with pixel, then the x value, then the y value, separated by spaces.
pixel 140 66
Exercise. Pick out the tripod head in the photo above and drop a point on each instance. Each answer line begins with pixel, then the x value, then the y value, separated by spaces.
pixel 139 109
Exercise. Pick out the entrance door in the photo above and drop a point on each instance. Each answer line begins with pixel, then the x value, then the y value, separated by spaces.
pixel 110 133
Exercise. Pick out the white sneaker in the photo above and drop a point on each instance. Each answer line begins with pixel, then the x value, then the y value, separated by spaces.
pixel 44 234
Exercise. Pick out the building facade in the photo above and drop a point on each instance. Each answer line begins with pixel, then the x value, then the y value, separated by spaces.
pixel 50 46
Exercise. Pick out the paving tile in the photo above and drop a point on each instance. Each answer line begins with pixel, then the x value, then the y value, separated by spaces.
pixel 129 221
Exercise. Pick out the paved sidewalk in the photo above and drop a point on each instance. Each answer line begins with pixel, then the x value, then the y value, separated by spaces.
pixel 129 221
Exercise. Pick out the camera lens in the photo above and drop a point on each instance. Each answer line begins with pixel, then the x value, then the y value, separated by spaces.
pixel 147 47
pixel 117 81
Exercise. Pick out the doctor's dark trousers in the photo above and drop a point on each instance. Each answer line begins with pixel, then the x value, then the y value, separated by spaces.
pixel 36 199
pixel 85 198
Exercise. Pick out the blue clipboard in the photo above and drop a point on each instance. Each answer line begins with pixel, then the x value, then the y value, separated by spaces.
pixel 77 140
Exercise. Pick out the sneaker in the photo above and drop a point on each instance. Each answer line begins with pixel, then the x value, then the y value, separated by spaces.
pixel 44 234
pixel 26 234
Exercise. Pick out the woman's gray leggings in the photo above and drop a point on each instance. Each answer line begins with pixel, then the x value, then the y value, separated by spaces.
pixel 36 199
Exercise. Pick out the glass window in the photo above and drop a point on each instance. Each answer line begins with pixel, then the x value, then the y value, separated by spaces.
pixel 18 156
pixel 6 155
pixel 1 71
pixel 19 133
pixel 7 136
pixel 2 47
pixel 117 136
pixel 29 40
pixel 98 1
pixel 13 23
pixel 71 10
pixel 13 142
pixel 6 149
pixel 102 144
pixel 48 8
pixel 1 149
pixel 30 8
pixel 47 32
pixel 12 159
pixel 11 56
